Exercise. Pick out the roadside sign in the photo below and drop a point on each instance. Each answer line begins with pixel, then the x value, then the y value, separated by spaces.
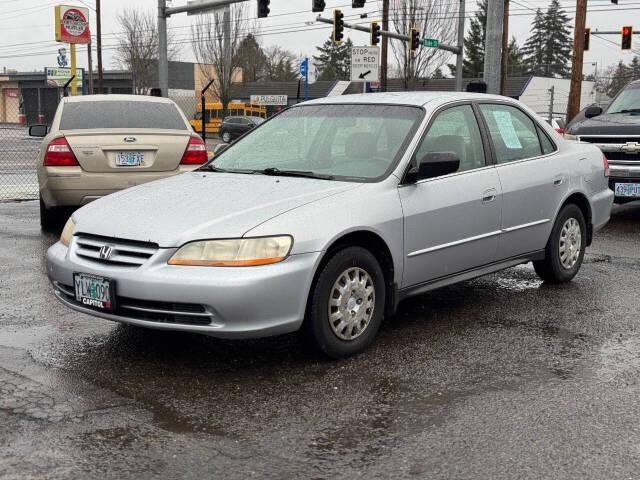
pixel 269 99
pixel 431 42
pixel 72 24
pixel 365 63
pixel 58 76
pixel 307 66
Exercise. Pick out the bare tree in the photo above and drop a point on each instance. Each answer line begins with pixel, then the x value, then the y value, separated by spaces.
pixel 219 62
pixel 433 19
pixel 137 49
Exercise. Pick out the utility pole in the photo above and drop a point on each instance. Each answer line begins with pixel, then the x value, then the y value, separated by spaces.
pixel 575 90
pixel 505 48
pixel 90 65
pixel 385 45
pixel 226 18
pixel 459 57
pixel 99 46
pixel 163 61
pixel 493 47
pixel 552 91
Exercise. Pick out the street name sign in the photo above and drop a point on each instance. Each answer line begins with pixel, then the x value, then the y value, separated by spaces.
pixel 365 64
pixel 431 42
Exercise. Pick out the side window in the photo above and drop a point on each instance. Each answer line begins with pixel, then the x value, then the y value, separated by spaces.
pixel 513 133
pixel 547 146
pixel 455 130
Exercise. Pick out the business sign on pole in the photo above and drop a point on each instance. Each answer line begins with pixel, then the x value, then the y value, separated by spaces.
pixel 266 100
pixel 72 24
pixel 365 64
pixel 59 76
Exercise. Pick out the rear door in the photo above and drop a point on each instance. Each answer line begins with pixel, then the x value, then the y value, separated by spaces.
pixel 125 136
pixel 533 178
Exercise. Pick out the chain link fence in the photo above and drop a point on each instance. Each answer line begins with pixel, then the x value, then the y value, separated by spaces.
pixel 18 151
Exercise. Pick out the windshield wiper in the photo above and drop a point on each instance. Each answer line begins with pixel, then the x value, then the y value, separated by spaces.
pixel 294 173
pixel 628 110
pixel 211 168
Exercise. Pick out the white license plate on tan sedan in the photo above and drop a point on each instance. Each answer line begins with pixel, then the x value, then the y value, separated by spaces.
pixel 129 159
pixel 628 189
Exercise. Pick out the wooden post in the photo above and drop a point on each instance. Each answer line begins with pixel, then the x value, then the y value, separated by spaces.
pixel 575 90
pixel 99 46
pixel 385 46
pixel 505 48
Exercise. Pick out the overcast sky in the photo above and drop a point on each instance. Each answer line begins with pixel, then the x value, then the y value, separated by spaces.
pixel 27 28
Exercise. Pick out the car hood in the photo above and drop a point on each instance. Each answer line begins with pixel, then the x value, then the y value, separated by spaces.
pixel 199 205
pixel 608 124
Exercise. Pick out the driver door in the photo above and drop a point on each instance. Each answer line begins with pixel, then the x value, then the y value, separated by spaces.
pixel 451 222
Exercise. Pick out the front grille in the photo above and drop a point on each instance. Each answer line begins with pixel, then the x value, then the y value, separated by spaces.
pixel 630 157
pixel 125 253
pixel 607 140
pixel 149 310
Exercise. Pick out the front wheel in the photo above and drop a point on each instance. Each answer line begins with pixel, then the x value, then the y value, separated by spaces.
pixel 565 249
pixel 347 303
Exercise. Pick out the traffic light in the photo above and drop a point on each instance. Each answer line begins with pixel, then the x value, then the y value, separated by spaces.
pixel 263 8
pixel 317 6
pixel 614 1
pixel 357 3
pixel 338 26
pixel 587 39
pixel 374 34
pixel 414 40
pixel 627 36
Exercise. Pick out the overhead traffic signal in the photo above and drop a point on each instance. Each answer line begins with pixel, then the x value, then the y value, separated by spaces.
pixel 627 37
pixel 357 3
pixel 614 1
pixel 587 39
pixel 374 34
pixel 263 8
pixel 338 26
pixel 414 40
pixel 317 6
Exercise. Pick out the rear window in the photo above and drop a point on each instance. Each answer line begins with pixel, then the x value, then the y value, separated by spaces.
pixel 121 114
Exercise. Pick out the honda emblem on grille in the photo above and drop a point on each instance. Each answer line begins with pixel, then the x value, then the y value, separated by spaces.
pixel 129 139
pixel 631 147
pixel 105 252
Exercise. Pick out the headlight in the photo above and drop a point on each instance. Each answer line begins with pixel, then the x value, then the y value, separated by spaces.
pixel 67 231
pixel 239 252
pixel 568 136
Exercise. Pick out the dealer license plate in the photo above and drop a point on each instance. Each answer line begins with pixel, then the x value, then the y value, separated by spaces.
pixel 94 291
pixel 628 189
pixel 129 159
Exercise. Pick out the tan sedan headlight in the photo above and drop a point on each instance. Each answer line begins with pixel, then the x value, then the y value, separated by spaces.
pixel 67 232
pixel 568 136
pixel 239 252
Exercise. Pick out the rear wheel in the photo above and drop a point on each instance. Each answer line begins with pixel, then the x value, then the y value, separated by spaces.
pixel 226 137
pixel 565 249
pixel 347 303
pixel 49 217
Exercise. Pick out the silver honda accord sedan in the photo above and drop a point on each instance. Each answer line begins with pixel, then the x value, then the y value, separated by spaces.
pixel 326 216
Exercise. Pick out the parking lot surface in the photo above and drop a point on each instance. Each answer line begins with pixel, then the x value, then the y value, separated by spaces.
pixel 499 377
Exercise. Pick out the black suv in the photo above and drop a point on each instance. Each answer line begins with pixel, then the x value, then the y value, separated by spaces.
pixel 617 132
pixel 233 127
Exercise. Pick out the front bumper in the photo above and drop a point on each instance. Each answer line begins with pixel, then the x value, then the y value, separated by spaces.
pixel 623 174
pixel 232 302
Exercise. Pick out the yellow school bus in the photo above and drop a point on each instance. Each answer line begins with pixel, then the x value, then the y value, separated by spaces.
pixel 215 114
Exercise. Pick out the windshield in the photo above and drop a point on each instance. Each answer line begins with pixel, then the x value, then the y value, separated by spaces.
pixel 627 100
pixel 120 114
pixel 353 142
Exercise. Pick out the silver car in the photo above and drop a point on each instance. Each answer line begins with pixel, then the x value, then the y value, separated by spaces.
pixel 329 214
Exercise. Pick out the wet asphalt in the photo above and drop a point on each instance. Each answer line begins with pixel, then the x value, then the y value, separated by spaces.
pixel 499 377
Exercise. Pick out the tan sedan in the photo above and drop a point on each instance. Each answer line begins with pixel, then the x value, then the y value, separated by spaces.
pixel 99 144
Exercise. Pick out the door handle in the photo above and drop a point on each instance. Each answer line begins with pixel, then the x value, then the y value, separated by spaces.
pixel 489 195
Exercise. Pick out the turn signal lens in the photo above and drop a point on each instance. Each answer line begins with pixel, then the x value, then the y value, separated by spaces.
pixel 606 166
pixel 239 252
pixel 195 154
pixel 67 232
pixel 568 136
pixel 59 154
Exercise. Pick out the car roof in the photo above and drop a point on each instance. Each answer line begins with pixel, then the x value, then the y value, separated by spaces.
pixel 407 98
pixel 116 97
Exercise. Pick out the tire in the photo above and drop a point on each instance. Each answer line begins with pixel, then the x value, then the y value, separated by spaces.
pixel 360 266
pixel 49 218
pixel 226 137
pixel 561 264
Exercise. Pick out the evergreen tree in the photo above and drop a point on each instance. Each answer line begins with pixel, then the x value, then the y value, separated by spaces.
pixel 558 42
pixel 516 63
pixel 621 76
pixel 334 59
pixel 251 59
pixel 534 47
pixel 473 63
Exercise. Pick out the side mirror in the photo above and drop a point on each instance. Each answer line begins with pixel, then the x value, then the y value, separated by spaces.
pixel 38 130
pixel 434 164
pixel 592 111
pixel 219 148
